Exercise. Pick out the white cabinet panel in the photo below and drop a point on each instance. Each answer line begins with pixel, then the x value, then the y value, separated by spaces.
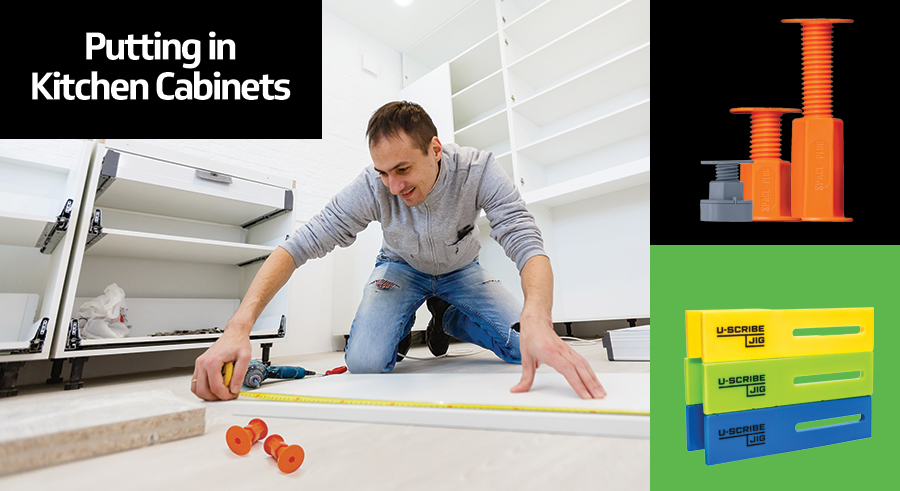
pixel 432 92
pixel 40 197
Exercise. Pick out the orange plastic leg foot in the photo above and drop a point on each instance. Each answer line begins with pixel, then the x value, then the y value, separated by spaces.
pixel 289 457
pixel 240 440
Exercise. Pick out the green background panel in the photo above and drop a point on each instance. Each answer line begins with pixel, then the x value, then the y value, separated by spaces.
pixel 772 277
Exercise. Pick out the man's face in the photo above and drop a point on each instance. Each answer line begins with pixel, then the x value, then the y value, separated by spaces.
pixel 406 170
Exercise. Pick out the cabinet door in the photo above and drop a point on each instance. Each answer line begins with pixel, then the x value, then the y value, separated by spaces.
pixel 432 92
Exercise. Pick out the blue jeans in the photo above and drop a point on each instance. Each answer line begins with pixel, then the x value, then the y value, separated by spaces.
pixel 482 312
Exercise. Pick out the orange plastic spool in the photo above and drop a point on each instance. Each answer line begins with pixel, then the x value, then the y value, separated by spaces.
pixel 240 440
pixel 289 457
pixel 767 181
pixel 817 147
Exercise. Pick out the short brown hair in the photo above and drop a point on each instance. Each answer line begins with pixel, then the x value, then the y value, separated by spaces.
pixel 392 118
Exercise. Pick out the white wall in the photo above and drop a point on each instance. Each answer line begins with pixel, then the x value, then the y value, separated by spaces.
pixel 321 168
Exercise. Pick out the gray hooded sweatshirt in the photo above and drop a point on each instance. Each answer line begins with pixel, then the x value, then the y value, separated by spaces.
pixel 437 236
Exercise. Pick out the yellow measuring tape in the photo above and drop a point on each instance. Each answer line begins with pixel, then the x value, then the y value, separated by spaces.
pixel 376 402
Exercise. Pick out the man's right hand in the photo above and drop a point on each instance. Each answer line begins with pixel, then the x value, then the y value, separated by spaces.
pixel 232 346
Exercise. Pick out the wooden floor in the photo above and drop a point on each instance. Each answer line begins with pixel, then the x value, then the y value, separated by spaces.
pixel 358 456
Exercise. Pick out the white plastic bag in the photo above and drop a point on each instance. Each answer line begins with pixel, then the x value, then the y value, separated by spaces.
pixel 104 316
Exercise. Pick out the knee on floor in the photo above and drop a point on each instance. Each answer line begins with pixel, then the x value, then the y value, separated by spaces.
pixel 360 362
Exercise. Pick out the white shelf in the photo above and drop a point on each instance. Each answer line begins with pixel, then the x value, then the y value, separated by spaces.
pixel 605 36
pixel 189 314
pixel 506 162
pixel 126 243
pixel 14 345
pixel 601 182
pixel 53 164
pixel 161 200
pixel 470 103
pixel 180 314
pixel 623 124
pixel 15 204
pixel 553 19
pixel 22 229
pixel 489 133
pixel 513 9
pixel 603 81
pixel 32 187
pixel 476 63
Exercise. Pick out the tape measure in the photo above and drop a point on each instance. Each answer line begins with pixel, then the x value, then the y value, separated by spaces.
pixel 377 402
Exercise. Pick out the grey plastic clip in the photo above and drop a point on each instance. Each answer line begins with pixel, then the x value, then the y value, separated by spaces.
pixel 726 194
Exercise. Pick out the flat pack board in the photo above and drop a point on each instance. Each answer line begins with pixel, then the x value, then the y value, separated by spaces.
pixel 38 431
pixel 627 402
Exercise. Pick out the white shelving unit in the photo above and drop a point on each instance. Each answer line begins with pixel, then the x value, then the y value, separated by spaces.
pixel 40 198
pixel 183 237
pixel 559 91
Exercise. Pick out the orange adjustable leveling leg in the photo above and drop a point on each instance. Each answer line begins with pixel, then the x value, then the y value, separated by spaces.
pixel 767 181
pixel 817 149
pixel 240 440
pixel 289 457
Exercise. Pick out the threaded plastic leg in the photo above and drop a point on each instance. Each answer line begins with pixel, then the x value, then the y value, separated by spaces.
pixel 765 135
pixel 817 69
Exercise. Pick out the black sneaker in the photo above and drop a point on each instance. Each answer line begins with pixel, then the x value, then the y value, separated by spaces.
pixel 435 337
pixel 403 347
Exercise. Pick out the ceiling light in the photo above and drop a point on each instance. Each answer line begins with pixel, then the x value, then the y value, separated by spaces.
pixel 403 3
